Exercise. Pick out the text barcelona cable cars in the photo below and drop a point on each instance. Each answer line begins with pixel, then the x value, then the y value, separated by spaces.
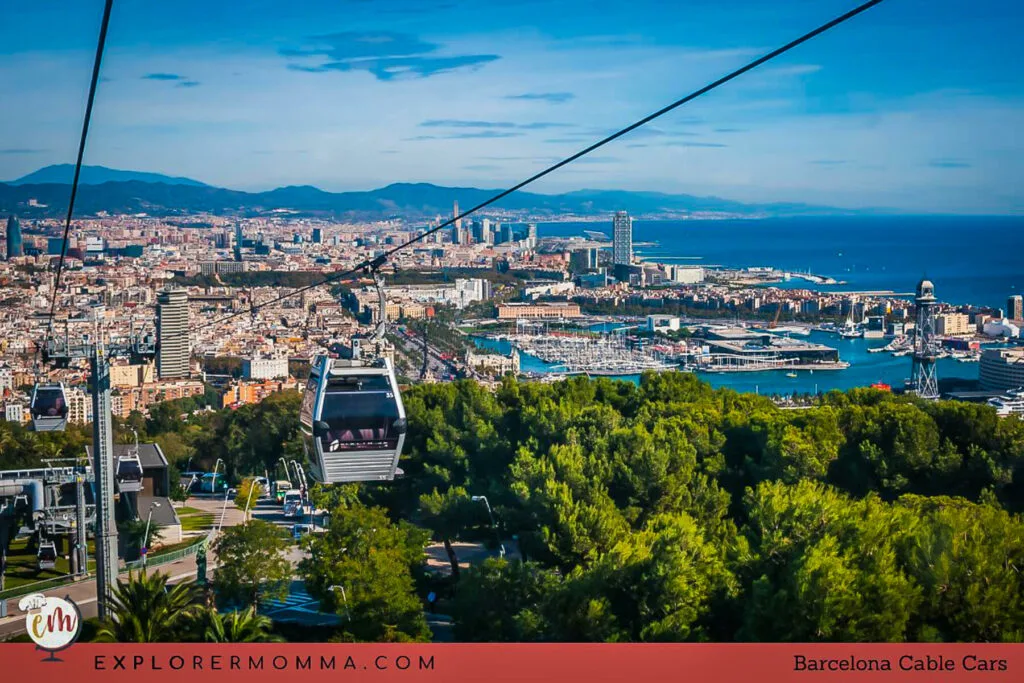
pixel 353 421
pixel 49 408
pixel 129 473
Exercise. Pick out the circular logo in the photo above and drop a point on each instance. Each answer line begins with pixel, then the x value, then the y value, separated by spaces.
pixel 52 623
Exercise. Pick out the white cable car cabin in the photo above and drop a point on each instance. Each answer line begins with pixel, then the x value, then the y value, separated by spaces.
pixel 49 408
pixel 353 421
pixel 46 556
pixel 129 473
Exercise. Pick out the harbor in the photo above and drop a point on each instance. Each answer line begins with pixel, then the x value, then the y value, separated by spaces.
pixel 864 362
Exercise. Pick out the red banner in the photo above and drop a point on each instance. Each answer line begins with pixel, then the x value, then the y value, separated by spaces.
pixel 501 663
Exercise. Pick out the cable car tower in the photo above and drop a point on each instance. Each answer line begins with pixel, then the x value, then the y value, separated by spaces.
pixel 923 379
pixel 60 351
pixel 352 418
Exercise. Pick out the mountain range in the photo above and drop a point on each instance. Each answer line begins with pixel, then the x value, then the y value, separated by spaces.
pixel 64 174
pixel 44 193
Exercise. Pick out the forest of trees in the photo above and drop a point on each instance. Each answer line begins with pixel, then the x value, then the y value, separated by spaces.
pixel 668 511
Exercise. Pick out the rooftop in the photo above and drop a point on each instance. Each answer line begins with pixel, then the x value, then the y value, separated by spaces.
pixel 150 454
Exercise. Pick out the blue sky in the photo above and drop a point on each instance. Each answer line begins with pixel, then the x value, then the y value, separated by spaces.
pixel 917 105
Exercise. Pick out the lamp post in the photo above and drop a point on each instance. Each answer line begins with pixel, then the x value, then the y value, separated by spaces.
pixel 248 500
pixel 145 537
pixel 224 509
pixel 213 484
pixel 490 514
pixel 335 588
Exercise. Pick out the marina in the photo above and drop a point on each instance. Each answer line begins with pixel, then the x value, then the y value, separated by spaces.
pixel 868 363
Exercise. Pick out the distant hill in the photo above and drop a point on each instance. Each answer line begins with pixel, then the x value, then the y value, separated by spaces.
pixel 97 175
pixel 143 194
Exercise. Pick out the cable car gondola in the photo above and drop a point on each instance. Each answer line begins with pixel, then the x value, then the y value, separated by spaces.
pixel 353 421
pixel 129 473
pixel 49 408
pixel 46 556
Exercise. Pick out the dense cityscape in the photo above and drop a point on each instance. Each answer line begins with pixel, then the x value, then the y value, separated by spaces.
pixel 160 277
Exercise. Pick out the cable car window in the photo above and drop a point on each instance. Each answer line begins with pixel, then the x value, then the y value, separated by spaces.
pixel 308 400
pixel 361 383
pixel 360 421
pixel 49 402
pixel 129 468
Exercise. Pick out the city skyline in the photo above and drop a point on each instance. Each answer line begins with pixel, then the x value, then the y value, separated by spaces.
pixel 911 106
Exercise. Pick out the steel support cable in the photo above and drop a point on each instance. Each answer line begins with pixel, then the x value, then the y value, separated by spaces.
pixel 372 264
pixel 100 46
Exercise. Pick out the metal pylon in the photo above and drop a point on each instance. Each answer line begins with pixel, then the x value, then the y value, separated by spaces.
pixel 103 466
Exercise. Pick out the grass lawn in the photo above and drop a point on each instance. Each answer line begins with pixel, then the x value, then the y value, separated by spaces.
pixel 186 510
pixel 196 522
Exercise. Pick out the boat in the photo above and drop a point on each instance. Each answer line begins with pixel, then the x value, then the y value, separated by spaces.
pixel 790 374
pixel 1010 404
pixel 849 330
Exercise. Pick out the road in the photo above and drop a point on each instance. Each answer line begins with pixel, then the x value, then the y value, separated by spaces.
pixel 413 348
pixel 83 594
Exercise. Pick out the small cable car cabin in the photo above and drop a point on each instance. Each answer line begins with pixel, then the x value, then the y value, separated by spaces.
pixel 49 408
pixel 352 420
pixel 129 473
pixel 46 556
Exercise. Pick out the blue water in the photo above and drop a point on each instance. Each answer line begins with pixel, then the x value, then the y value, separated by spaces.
pixel 971 260
pixel 865 369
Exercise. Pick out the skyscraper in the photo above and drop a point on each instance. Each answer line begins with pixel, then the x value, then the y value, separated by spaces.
pixel 172 332
pixel 455 213
pixel 531 235
pixel 318 236
pixel 14 245
pixel 1015 307
pixel 622 239
pixel 505 230
pixel 238 241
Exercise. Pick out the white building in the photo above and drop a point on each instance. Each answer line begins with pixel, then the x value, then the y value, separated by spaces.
pixel 662 323
pixel 1001 328
pixel 14 413
pixel 468 290
pixel 6 379
pixel 79 406
pixel 1002 369
pixel 264 368
pixel 685 275
pixel 553 289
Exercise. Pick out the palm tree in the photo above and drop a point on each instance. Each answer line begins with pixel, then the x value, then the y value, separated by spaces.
pixel 144 609
pixel 133 531
pixel 247 626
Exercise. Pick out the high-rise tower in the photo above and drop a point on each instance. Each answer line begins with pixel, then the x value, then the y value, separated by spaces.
pixel 1015 307
pixel 172 334
pixel 622 239
pixel 238 241
pixel 531 235
pixel 15 247
pixel 923 379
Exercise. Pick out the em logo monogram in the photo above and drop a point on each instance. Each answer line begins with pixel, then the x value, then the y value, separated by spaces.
pixel 53 623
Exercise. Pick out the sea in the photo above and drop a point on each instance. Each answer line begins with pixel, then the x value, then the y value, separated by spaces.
pixel 971 260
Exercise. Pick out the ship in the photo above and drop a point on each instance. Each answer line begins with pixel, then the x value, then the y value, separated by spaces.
pixel 1010 404
pixel 790 374
pixel 850 331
